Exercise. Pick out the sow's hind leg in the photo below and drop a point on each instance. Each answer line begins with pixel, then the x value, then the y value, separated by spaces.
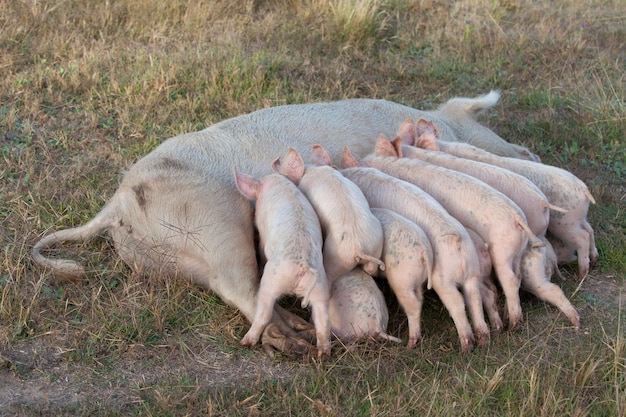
pixel 205 234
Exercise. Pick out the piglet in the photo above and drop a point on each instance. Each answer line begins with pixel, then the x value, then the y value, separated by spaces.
pixel 291 240
pixel 408 257
pixel 352 235
pixel 562 189
pixel 538 265
pixel 357 308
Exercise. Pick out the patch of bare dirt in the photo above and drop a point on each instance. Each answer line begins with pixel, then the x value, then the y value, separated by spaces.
pixel 38 380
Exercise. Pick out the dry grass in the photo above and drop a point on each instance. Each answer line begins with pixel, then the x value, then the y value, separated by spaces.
pixel 89 87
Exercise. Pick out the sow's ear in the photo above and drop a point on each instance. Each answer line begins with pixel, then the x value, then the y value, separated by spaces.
pixel 247 185
pixel 292 166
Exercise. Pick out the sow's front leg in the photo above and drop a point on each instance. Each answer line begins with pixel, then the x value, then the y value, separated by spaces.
pixel 203 232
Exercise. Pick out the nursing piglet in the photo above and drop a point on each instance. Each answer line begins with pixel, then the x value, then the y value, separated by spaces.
pixel 455 262
pixel 538 265
pixel 497 219
pixel 357 308
pixel 408 257
pixel 352 235
pixel 562 188
pixel 530 199
pixel 291 240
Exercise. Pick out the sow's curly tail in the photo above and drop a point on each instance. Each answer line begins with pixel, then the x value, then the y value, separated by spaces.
pixel 66 268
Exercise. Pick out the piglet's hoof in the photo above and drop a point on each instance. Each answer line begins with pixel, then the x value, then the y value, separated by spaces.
pixel 482 339
pixel 292 346
pixel 322 354
pixel 467 344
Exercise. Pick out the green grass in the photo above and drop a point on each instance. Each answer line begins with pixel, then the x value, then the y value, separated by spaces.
pixel 90 87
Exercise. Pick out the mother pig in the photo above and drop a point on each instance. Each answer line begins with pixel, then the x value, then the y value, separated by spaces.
pixel 178 211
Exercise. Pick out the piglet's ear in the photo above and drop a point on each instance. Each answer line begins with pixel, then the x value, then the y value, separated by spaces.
pixel 426 126
pixel 291 166
pixel 406 132
pixel 397 145
pixel 320 156
pixel 276 165
pixel 427 141
pixel 247 185
pixel 348 160
pixel 384 147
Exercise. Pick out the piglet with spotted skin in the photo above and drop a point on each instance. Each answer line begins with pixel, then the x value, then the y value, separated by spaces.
pixel 538 265
pixel 291 240
pixel 357 308
pixel 562 189
pixel 352 235
pixel 408 257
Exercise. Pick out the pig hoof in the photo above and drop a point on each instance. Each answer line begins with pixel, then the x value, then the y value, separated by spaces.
pixel 413 341
pixel 497 326
pixel 415 337
pixel 467 348
pixel 514 323
pixel 301 326
pixel 575 319
pixel 248 340
pixel 268 349
pixel 467 344
pixel 292 346
pixel 323 353
pixel 483 339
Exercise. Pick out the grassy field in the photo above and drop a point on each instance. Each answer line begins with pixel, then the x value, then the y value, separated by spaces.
pixel 88 87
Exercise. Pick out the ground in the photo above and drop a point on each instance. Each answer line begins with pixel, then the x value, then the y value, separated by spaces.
pixel 36 378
